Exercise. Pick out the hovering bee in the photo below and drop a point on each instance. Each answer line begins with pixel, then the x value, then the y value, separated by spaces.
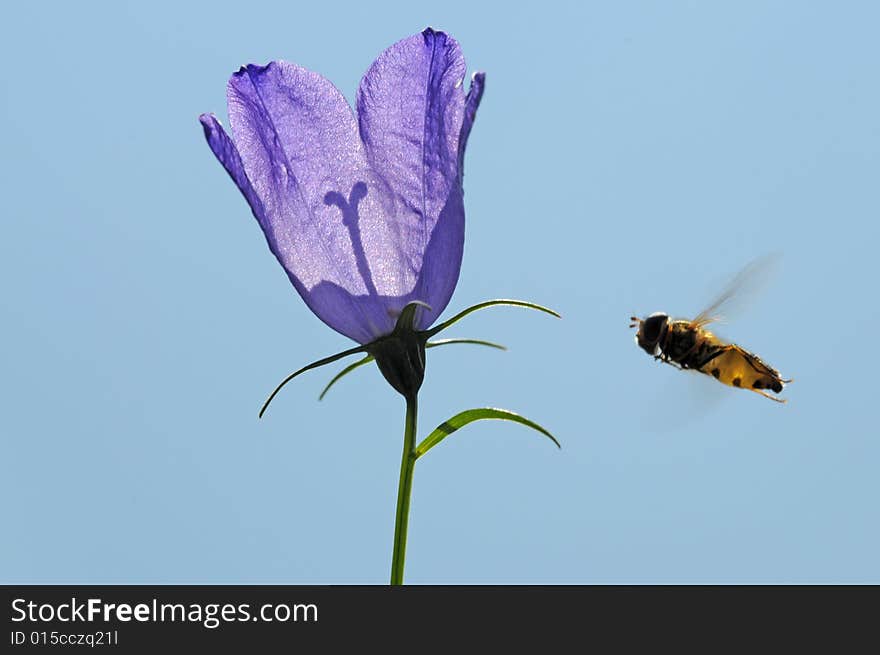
pixel 687 344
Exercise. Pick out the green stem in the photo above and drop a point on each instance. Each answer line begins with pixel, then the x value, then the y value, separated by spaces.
pixel 407 466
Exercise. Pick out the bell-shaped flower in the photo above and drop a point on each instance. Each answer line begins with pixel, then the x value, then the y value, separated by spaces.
pixel 363 210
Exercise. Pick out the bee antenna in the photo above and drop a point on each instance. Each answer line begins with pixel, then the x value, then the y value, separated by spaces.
pixel 635 321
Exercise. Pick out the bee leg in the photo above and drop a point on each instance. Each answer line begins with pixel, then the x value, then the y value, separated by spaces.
pixel 666 360
pixel 767 395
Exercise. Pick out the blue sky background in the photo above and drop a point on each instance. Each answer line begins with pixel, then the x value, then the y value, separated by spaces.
pixel 627 157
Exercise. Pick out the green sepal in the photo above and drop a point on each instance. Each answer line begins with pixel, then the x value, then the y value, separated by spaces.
pixel 482 305
pixel 348 369
pixel 431 344
pixel 309 367
pixel 475 342
pixel 406 319
pixel 469 416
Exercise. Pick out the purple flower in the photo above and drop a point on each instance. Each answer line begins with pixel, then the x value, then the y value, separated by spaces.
pixel 364 211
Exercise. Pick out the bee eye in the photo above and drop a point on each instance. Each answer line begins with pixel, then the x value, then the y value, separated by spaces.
pixel 652 326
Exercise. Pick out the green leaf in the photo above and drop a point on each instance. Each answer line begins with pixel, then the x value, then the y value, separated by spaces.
pixel 469 416
pixel 348 369
pixel 483 305
pixel 309 367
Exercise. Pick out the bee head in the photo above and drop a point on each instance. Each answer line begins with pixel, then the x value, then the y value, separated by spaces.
pixel 651 332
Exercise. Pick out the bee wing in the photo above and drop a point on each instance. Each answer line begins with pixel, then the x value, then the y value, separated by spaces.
pixel 744 286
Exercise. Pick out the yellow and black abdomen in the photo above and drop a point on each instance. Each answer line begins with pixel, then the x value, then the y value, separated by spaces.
pixel 738 367
pixel 695 348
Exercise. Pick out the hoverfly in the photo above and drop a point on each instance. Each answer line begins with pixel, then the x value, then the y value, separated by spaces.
pixel 687 344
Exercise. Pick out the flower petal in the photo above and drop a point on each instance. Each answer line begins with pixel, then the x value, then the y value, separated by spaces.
pixel 325 211
pixel 226 152
pixel 442 259
pixel 411 113
pixel 475 94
